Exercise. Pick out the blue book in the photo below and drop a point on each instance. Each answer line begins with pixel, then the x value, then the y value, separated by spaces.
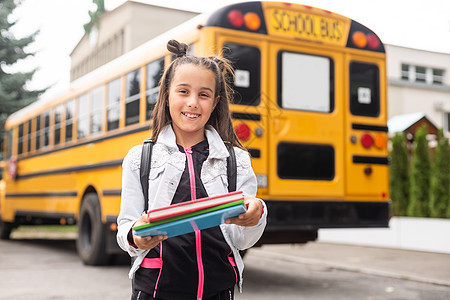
pixel 190 224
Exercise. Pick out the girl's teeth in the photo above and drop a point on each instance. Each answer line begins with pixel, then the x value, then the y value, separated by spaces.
pixel 190 115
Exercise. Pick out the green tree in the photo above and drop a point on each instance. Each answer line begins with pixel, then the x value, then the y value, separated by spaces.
pixel 420 176
pixel 13 93
pixel 440 179
pixel 399 175
pixel 95 15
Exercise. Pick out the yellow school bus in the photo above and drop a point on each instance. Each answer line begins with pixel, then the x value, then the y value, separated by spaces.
pixel 309 105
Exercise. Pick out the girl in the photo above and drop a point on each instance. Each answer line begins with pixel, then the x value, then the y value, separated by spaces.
pixel 190 124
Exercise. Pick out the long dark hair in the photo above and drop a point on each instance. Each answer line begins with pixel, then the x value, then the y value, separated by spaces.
pixel 220 117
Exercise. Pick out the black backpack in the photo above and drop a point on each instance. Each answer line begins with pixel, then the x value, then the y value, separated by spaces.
pixel 146 156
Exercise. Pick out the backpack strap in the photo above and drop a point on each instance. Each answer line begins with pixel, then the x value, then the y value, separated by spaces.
pixel 146 159
pixel 231 168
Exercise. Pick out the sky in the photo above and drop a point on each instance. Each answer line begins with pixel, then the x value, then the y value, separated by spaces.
pixel 410 23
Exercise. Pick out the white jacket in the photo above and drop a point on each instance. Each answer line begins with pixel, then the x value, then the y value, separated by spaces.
pixel 167 166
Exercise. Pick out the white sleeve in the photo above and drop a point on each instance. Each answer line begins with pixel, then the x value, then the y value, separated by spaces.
pixel 132 199
pixel 245 237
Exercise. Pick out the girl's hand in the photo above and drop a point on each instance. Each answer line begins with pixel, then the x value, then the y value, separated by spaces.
pixel 147 242
pixel 251 217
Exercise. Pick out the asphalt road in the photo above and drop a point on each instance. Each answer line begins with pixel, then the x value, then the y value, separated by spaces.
pixel 51 269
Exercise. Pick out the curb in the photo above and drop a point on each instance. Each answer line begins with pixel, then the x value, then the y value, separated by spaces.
pixel 316 262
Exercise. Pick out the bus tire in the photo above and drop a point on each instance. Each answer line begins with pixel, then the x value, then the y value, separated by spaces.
pixel 91 239
pixel 5 230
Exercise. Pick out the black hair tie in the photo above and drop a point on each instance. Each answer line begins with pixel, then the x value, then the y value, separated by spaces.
pixel 181 53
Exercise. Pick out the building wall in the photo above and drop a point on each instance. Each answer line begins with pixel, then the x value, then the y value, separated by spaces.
pixel 406 95
pixel 121 30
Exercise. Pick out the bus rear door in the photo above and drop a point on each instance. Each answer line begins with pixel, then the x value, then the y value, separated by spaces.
pixel 306 133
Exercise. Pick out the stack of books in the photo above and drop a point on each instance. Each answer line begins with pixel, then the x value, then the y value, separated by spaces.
pixel 193 215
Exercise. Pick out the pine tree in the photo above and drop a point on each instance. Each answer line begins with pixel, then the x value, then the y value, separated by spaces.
pixel 399 175
pixel 420 176
pixel 440 179
pixel 13 94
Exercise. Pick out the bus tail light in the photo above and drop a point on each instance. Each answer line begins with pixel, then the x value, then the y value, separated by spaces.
pixel 366 140
pixel 242 131
pixel 12 168
pixel 236 18
pixel 380 141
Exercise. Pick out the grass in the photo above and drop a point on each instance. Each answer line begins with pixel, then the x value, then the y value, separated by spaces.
pixel 45 232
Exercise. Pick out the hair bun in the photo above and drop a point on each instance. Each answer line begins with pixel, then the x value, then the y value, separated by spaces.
pixel 177 48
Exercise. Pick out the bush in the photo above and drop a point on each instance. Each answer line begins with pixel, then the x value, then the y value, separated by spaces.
pixel 398 175
pixel 440 179
pixel 420 176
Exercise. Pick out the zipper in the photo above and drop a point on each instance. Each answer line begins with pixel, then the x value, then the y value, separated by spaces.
pixel 198 237
pixel 160 271
pixel 191 172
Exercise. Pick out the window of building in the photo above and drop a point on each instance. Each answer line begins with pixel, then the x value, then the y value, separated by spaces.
pixel 422 74
pixel 113 104
pixel 132 96
pixel 70 112
pixel 438 76
pixel 405 72
pixel 155 70
pixel 97 96
pixel 83 116
pixel 447 122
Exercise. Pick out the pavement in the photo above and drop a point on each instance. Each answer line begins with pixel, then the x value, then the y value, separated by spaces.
pixel 427 267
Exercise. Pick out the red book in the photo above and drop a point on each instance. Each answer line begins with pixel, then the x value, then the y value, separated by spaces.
pixel 187 207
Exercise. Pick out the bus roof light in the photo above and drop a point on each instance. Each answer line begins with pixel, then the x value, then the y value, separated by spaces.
pixel 252 21
pixel 236 18
pixel 359 39
pixel 242 131
pixel 366 140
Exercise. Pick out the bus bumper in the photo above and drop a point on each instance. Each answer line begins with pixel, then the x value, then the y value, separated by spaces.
pixel 298 222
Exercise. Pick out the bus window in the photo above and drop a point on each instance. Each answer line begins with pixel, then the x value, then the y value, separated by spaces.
pixel 46 129
pixel 38 132
pixel 83 117
pixel 9 146
pixel 30 132
pixel 246 61
pixel 305 161
pixel 364 89
pixel 97 96
pixel 70 112
pixel 132 95
pixel 155 70
pixel 20 140
pixel 58 117
pixel 113 104
pixel 305 82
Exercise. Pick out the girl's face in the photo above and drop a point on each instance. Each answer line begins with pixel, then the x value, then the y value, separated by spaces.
pixel 191 102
